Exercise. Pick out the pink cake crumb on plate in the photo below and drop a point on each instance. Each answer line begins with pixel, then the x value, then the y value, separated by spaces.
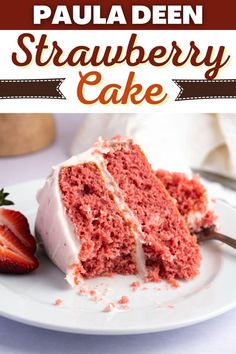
pixel 135 285
pixel 92 292
pixel 123 300
pixel 58 302
pixel 109 307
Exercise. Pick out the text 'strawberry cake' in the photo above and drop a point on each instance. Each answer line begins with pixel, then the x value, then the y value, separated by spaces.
pixel 192 199
pixel 104 212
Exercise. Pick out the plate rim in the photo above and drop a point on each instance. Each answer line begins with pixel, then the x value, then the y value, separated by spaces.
pixel 118 332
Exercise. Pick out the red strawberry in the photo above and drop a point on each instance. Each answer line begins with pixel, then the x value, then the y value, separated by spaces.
pixel 19 226
pixel 14 256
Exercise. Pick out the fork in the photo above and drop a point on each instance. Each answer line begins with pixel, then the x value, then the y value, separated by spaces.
pixel 209 234
pixel 227 182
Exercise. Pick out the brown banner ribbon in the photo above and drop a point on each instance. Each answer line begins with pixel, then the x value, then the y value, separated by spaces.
pixel 31 88
pixel 205 89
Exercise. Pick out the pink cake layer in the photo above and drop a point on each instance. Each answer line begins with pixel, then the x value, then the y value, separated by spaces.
pixel 107 243
pixel 192 199
pixel 170 251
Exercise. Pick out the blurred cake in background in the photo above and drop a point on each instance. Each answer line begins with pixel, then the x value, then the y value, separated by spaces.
pixel 192 199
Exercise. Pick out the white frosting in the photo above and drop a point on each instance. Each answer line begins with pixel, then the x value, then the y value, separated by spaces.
pixel 194 217
pixel 56 230
pixel 54 227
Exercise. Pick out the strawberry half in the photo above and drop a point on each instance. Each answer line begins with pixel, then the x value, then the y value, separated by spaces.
pixel 19 226
pixel 14 257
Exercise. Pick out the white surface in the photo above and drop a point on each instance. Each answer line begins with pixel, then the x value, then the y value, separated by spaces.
pixel 30 298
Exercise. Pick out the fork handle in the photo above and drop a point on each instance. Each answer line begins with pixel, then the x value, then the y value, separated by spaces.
pixel 226 239
pixel 220 237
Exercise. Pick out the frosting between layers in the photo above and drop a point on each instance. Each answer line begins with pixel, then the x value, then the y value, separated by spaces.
pixel 54 226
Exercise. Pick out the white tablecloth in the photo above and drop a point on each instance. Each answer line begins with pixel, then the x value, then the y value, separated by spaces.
pixel 215 336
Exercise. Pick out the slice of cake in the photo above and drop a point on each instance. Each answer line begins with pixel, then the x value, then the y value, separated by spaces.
pixel 105 212
pixel 192 199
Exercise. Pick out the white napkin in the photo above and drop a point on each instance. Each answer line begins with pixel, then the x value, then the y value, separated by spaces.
pixel 171 141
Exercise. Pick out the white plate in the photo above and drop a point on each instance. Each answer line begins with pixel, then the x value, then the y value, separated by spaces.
pixel 29 299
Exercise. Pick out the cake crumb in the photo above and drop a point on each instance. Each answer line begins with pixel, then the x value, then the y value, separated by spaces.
pixel 135 285
pixel 144 288
pixel 76 280
pixel 83 291
pixel 174 283
pixel 171 306
pixel 92 292
pixel 109 307
pixel 123 300
pixel 57 302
